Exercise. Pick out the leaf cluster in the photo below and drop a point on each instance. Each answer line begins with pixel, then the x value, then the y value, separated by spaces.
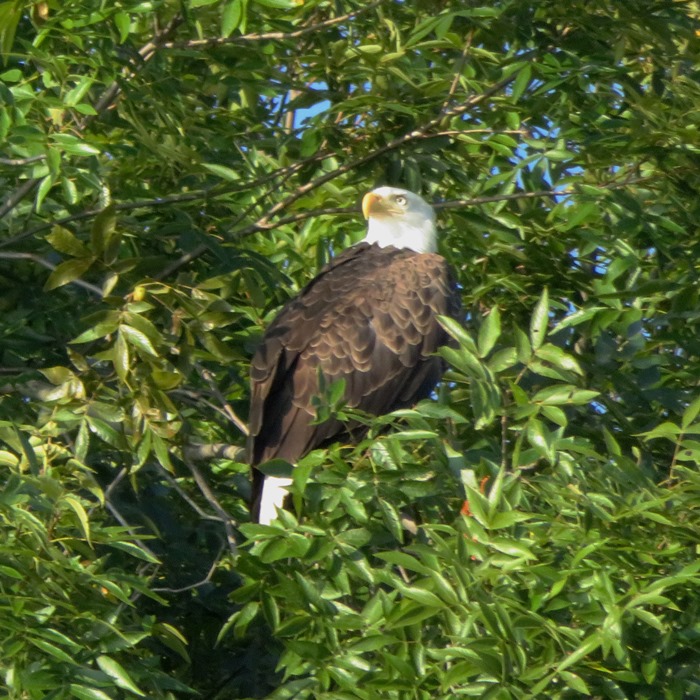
pixel 172 173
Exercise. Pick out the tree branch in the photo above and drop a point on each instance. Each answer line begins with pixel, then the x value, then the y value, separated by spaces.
pixel 257 227
pixel 208 494
pixel 459 66
pixel 18 195
pixel 206 375
pixel 203 194
pixel 217 450
pixel 421 132
pixel 105 101
pixel 22 161
pixel 269 36
pixel 202 582
pixel 9 255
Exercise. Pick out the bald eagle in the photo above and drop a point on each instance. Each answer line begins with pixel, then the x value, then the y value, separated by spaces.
pixel 369 318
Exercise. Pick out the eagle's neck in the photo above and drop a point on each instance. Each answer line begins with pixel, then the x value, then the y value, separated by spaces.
pixel 417 234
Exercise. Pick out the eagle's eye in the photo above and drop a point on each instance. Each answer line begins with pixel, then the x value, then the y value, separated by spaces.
pixel 401 200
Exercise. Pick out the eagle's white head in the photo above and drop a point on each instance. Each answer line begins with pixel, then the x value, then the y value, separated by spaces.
pixel 399 218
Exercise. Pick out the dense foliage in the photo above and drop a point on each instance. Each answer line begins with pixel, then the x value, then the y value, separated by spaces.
pixel 172 172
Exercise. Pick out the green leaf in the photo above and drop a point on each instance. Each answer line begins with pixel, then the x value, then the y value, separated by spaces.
pixel 489 332
pixel 62 240
pixel 589 645
pixel 117 672
pixel 67 272
pixel 523 346
pixel 458 332
pixel 581 213
pixel 121 359
pixel 403 560
pixel 231 17
pixel 540 320
pixel 663 430
pixel 105 431
pixel 391 518
pixel 521 82
pixel 576 683
pixel 122 21
pixel 135 551
pixel 503 359
pixel 138 339
pixel 73 145
pixel 10 13
pixel 75 95
pixel 222 171
pixel 52 650
pixel 538 437
pixel 103 228
pixel 44 188
pixel 577 318
pixel 84 692
pixel 77 507
pixel 691 413
pixel 557 357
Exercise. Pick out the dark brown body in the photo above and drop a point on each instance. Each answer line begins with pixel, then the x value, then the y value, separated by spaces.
pixel 369 317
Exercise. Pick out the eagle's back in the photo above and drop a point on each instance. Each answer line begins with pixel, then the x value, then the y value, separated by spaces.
pixel 369 317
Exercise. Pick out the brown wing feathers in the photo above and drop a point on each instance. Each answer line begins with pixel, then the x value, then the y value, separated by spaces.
pixel 369 317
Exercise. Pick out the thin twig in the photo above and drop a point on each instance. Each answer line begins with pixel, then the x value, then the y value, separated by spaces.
pixel 208 494
pixel 104 102
pixel 185 497
pixel 18 195
pixel 22 161
pixel 460 203
pixel 199 399
pixel 115 482
pixel 215 450
pixel 295 218
pixel 207 376
pixel 458 74
pixel 182 260
pixel 420 132
pixel 145 53
pixel 269 36
pixel 203 582
pixel 124 523
pixel 9 255
pixel 207 193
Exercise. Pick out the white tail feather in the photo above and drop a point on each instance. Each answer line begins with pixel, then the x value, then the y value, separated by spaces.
pixel 273 494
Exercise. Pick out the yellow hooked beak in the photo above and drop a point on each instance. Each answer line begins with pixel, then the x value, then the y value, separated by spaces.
pixel 372 203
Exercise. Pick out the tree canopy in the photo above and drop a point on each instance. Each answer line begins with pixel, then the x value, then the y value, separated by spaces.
pixel 172 172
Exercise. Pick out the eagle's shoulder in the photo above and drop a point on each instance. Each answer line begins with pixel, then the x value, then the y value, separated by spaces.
pixel 369 317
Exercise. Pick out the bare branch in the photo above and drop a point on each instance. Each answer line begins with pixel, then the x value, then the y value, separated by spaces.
pixel 203 582
pixel 207 376
pixel 269 36
pixel 203 194
pixel 216 450
pixel 121 474
pixel 399 141
pixel 104 102
pixel 124 523
pixel 197 398
pixel 257 227
pixel 18 195
pixel 145 53
pixel 208 494
pixel 22 161
pixel 458 73
pixel 461 203
pixel 8 255
pixel 184 495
